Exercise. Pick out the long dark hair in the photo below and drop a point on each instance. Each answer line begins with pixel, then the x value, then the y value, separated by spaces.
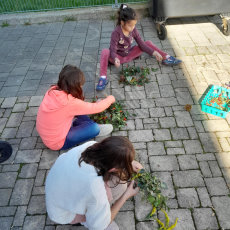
pixel 125 14
pixel 71 80
pixel 113 152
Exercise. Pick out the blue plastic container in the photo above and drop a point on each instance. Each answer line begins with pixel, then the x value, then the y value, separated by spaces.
pixel 208 106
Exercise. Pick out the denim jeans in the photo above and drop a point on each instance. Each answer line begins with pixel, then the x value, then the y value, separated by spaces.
pixel 82 129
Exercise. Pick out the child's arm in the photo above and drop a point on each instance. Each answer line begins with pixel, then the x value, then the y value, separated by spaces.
pixel 79 107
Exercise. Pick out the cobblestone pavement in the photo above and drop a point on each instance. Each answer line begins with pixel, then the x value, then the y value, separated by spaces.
pixel 190 151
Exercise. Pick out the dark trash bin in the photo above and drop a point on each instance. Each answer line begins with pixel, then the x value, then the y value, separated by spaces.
pixel 161 10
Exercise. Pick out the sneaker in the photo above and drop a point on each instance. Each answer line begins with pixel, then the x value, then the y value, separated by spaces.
pixel 101 84
pixel 105 129
pixel 171 61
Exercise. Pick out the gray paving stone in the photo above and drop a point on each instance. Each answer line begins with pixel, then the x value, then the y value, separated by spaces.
pixel 183 98
pixel 28 143
pixel 209 146
pixel 214 169
pixel 25 129
pixel 31 112
pixel 7 211
pixel 35 100
pixel 163 79
pixel 14 120
pixel 20 216
pixel 163 163
pixel 8 179
pixel 11 168
pixel 5 196
pixel 161 134
pixel 9 133
pixel 216 186
pixel 157 112
pixel 48 157
pixel 183 119
pixel 223 159
pixel 167 122
pixel 38 191
pixel 216 125
pixel 28 171
pixel 187 198
pixel 9 102
pixel 175 151
pixel 37 205
pixel 20 107
pixel 192 146
pixel 170 101
pixel 205 157
pixel 34 222
pixel 5 223
pixel 28 156
pixel 140 135
pixel 148 225
pixel 138 124
pixel 173 144
pixel 21 192
pixel 125 220
pixel 187 162
pixel 166 91
pixel 2 124
pixel 205 169
pixel 189 178
pixel 156 148
pixel 222 208
pixel 192 133
pixel 40 177
pixel 204 197
pixel 179 133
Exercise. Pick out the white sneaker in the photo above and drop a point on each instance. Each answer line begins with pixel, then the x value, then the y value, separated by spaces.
pixel 105 129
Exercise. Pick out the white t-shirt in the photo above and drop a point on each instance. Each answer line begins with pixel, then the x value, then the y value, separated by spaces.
pixel 71 189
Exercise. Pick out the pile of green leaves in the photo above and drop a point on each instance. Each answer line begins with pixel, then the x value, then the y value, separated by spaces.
pixel 132 75
pixel 151 186
pixel 114 115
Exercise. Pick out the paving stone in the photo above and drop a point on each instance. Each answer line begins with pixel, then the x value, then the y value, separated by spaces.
pixel 166 91
pixel 192 146
pixel 163 79
pixel 147 103
pixel 183 119
pixel 175 151
pixel 20 216
pixel 48 157
pixel 40 177
pixel 151 89
pixel 141 113
pixel 183 98
pixel 156 148
pixel 28 156
pixel 167 122
pixel 140 135
pixel 173 144
pixel 163 163
pixel 214 168
pixel 216 186
pixel 28 171
pixel 25 129
pixel 205 169
pixel 38 190
pixel 205 218
pixel 8 179
pixel 189 178
pixel 14 120
pixel 9 102
pixel 37 205
pixel 9 133
pixel 187 162
pixel 49 227
pixel 223 159
pixel 170 101
pixel 187 198
pixel 125 220
pixel 222 209
pixel 5 223
pixel 161 134
pixel 157 112
pixel 21 192
pixel 5 196
pixel 7 211
pixel 148 225
pixel 209 146
pixel 31 112
pixel 216 125
pixel 35 100
pixel 179 133
pixel 135 95
pixel 205 157
pixel 11 168
pixel 28 143
pixel 139 124
pixel 204 197
pixel 34 222
pixel 2 123
pixel 185 221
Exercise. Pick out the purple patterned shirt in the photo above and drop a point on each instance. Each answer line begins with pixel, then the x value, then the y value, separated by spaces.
pixel 122 45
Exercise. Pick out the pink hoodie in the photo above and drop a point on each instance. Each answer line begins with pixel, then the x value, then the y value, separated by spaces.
pixel 56 113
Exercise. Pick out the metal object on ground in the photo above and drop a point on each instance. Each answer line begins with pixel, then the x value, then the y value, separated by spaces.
pixel 161 10
pixel 5 151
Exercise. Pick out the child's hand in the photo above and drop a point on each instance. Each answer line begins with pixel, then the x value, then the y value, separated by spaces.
pixel 131 191
pixel 117 62
pixel 157 56
pixel 136 166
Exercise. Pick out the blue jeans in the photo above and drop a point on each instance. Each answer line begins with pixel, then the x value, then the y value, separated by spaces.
pixel 82 129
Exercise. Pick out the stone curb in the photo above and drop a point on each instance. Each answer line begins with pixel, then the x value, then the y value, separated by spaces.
pixel 104 12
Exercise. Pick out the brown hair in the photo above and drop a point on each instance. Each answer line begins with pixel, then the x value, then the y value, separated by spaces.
pixel 71 80
pixel 113 152
pixel 125 14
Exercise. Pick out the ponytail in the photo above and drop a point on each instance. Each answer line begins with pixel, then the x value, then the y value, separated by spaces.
pixel 125 14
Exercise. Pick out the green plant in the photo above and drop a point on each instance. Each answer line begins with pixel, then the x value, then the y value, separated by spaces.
pixel 114 115
pixel 132 75
pixel 69 18
pixel 151 187
pixel 5 24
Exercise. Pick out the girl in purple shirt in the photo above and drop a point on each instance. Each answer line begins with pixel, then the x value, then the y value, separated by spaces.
pixel 121 49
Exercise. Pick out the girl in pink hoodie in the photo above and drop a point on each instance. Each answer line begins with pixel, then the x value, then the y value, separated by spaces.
pixel 62 120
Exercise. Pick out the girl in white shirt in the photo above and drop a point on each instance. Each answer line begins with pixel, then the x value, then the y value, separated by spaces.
pixel 85 181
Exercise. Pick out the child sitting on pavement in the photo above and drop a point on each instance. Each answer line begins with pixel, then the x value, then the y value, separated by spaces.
pixel 121 49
